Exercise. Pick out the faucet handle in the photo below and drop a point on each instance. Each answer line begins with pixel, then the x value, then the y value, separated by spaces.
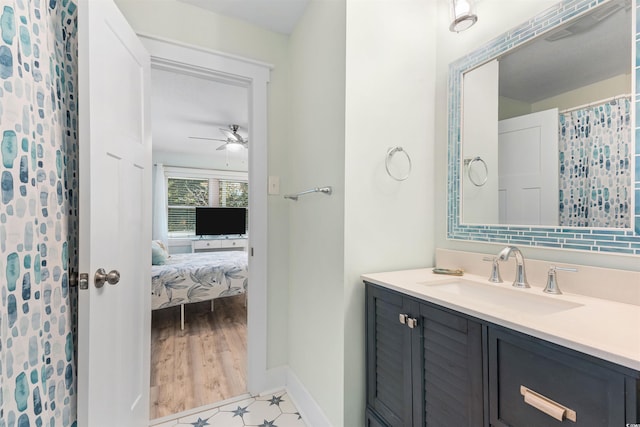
pixel 495 269
pixel 552 281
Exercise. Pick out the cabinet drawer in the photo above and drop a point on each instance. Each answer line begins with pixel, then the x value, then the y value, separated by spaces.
pixel 205 244
pixel 232 243
pixel 557 378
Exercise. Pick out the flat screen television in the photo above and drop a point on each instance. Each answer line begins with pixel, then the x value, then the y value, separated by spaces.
pixel 220 221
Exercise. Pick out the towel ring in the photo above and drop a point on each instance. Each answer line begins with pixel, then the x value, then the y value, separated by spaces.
pixel 390 153
pixel 469 162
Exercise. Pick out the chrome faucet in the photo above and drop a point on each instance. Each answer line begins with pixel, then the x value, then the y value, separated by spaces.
pixel 552 281
pixel 494 277
pixel 520 280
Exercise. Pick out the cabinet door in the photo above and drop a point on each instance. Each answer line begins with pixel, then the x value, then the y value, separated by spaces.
pixel 372 420
pixel 578 382
pixel 452 386
pixel 389 391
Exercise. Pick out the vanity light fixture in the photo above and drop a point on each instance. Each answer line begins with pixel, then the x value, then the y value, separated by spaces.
pixel 462 14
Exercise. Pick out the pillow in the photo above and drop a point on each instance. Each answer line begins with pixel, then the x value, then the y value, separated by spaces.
pixel 159 253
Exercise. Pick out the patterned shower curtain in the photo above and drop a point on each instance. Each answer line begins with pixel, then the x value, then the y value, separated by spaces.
pixel 595 165
pixel 38 212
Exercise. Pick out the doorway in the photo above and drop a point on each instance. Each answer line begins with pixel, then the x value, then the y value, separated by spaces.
pixel 253 77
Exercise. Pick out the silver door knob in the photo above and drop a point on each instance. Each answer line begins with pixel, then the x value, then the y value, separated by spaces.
pixel 102 276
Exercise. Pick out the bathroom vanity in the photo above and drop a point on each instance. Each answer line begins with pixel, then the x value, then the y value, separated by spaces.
pixel 464 351
pixel 448 351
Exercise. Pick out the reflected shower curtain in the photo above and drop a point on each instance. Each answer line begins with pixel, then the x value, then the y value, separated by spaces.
pixel 595 165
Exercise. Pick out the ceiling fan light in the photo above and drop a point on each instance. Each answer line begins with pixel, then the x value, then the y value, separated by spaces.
pixel 462 14
pixel 234 146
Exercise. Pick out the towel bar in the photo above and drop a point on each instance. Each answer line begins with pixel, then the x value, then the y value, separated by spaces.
pixel 325 190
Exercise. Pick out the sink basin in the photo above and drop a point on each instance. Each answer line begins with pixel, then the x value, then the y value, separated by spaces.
pixel 518 300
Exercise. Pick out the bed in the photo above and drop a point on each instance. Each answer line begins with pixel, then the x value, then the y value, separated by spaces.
pixel 194 277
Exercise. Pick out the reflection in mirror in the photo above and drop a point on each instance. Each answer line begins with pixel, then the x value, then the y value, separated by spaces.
pixel 546 128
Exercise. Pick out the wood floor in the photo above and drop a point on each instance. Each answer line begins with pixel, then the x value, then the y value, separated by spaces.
pixel 203 364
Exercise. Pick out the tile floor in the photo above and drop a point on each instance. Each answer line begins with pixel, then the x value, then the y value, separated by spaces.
pixel 269 410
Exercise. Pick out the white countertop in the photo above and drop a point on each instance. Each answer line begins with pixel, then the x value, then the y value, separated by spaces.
pixel 605 329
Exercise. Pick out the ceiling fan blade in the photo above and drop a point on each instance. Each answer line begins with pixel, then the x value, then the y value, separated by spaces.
pixel 222 147
pixel 230 135
pixel 208 139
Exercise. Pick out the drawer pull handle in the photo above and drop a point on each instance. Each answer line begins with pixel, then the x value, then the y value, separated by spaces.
pixel 546 405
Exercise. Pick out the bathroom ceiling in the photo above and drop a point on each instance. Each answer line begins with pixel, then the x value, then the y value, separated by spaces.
pixel 184 106
pixel 571 57
pixel 275 15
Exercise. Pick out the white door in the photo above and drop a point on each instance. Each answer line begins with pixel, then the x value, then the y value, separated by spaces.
pixel 114 209
pixel 528 169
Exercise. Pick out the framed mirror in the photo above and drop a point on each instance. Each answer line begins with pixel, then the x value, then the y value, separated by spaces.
pixel 542 132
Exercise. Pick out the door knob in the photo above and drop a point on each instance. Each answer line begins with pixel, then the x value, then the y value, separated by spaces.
pixel 102 276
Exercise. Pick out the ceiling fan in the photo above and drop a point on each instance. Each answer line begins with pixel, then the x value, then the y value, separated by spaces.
pixel 233 141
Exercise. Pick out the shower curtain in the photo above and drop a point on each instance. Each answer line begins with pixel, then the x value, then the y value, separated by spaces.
pixel 595 165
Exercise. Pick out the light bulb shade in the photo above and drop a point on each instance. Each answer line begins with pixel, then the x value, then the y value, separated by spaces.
pixel 234 146
pixel 462 14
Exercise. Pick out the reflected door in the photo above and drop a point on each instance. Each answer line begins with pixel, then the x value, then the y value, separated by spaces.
pixel 528 169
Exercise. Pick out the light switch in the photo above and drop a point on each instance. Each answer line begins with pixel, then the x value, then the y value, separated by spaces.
pixel 274 185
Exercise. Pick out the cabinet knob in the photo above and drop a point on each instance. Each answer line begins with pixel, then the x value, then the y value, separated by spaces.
pixel 409 321
pixel 403 318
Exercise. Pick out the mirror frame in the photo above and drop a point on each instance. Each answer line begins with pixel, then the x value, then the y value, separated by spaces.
pixel 604 240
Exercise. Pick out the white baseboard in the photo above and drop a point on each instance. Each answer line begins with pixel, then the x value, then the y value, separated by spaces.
pixel 274 380
pixel 311 413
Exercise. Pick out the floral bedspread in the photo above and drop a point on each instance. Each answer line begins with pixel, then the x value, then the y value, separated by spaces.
pixel 201 276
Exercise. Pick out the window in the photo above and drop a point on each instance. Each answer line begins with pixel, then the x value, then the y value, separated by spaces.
pixel 186 190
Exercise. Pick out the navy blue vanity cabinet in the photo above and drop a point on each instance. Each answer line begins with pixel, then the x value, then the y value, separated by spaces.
pixel 424 364
pixel 558 380
pixel 390 397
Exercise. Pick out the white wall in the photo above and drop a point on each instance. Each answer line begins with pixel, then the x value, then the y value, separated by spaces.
pixel 389 101
pixel 184 23
pixel 316 233
pixel 618 85
pixel 480 186
pixel 341 133
pixel 495 17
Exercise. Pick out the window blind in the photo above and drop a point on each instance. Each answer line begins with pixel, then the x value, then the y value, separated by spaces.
pixel 184 194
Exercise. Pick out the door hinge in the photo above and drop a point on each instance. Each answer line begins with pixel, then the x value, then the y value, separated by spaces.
pixel 83 283
pixel 251 251
pixel 73 279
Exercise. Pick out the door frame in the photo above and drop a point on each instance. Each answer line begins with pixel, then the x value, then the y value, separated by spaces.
pixel 181 58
